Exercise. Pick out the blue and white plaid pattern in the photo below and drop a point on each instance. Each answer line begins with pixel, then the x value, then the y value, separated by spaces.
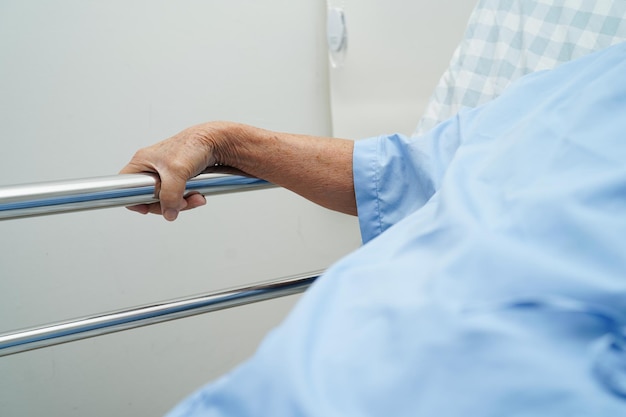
pixel 506 39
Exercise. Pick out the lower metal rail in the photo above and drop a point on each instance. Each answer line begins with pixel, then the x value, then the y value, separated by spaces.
pixel 96 325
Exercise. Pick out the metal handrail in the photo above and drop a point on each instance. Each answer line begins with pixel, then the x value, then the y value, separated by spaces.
pixel 39 199
pixel 100 324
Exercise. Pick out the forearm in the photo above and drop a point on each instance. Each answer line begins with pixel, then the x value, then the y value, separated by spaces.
pixel 317 168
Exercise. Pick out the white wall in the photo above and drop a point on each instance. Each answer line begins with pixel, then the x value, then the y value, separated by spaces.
pixel 397 51
pixel 83 84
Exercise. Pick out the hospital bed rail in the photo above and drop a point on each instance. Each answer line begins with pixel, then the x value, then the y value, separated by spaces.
pixel 39 199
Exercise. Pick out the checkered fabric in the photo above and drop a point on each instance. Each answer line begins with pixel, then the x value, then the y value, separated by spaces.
pixel 506 39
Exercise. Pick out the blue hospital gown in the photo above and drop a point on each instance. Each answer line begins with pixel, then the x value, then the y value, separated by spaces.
pixel 492 281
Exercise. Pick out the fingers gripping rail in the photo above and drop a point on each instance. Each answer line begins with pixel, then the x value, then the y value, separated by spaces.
pixel 123 190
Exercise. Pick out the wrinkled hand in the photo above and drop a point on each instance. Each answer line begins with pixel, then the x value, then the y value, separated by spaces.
pixel 174 161
pixel 317 168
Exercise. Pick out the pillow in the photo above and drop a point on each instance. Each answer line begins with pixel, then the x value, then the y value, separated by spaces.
pixel 506 39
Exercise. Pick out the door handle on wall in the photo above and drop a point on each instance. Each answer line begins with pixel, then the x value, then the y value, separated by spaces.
pixel 336 35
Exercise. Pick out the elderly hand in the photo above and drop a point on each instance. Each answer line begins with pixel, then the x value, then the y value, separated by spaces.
pixel 176 160
pixel 318 168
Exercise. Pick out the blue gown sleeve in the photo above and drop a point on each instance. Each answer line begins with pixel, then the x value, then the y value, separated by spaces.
pixel 396 175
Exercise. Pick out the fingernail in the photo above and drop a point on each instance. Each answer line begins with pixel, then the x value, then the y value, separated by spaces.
pixel 170 214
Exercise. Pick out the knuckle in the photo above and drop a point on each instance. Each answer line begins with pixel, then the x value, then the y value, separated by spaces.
pixel 141 154
pixel 180 169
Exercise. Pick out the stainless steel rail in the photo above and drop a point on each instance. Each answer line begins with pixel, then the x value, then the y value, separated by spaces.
pixel 118 190
pixel 82 328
